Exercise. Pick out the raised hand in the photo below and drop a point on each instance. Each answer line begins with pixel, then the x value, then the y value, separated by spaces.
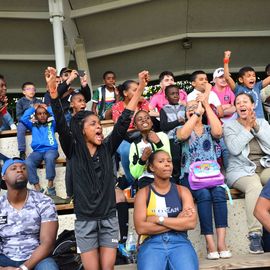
pixel 227 54
pixel 153 137
pixel 144 78
pixel 146 153
pixel 50 77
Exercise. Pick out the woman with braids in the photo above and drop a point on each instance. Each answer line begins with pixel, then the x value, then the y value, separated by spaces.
pixel 96 224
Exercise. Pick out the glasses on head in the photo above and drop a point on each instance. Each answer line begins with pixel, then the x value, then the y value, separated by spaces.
pixel 192 107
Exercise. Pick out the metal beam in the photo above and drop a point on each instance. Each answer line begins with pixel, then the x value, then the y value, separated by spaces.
pixel 76 13
pixel 24 15
pixel 153 42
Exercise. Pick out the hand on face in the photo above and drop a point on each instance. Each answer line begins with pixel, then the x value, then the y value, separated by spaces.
pixel 146 153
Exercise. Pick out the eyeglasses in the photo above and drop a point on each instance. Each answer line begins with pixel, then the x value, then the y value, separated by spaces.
pixel 29 89
pixel 192 107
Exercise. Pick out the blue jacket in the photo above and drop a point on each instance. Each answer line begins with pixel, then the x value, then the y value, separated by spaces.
pixel 23 104
pixel 43 135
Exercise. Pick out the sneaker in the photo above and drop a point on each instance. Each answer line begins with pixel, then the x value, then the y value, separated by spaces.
pixel 213 255
pixel 57 200
pixel 255 245
pixel 225 254
pixel 50 191
pixel 13 127
pixel 22 155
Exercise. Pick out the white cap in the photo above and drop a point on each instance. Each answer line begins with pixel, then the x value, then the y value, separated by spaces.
pixel 218 73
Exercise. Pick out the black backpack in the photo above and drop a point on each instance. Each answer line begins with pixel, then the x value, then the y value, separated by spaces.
pixel 65 252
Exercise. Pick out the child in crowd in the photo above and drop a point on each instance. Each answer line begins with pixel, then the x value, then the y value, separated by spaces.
pixel 39 119
pixel 172 115
pixel 96 225
pixel 248 84
pixel 143 146
pixel 127 90
pixel 6 121
pixel 24 103
pixel 225 95
pixel 199 81
pixel 105 96
pixel 158 100
pixel 197 145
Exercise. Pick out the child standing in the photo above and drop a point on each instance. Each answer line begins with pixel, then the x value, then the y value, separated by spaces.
pixel 105 96
pixel 172 115
pixel 248 84
pixel 40 121
pixel 24 103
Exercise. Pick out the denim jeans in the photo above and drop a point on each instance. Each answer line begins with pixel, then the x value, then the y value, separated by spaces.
pixel 45 264
pixel 7 121
pixel 167 251
pixel 207 199
pixel 34 160
pixel 123 151
pixel 21 130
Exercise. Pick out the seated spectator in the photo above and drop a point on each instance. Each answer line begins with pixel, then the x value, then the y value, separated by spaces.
pixel 105 96
pixel 24 103
pixel 158 100
pixel 143 146
pixel 172 115
pixel 198 145
pixel 163 212
pixel 28 224
pixel 247 139
pixel 127 91
pixel 248 84
pixel 39 119
pixel 225 95
pixel 6 121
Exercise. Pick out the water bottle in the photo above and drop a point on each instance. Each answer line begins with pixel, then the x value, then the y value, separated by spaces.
pixel 131 247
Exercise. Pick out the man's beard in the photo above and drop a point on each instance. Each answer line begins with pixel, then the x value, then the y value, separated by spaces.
pixel 20 185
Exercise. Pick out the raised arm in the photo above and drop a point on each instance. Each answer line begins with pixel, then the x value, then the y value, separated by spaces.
pixel 25 118
pixel 85 89
pixel 228 78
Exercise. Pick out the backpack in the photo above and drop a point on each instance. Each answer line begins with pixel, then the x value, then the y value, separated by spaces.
pixel 205 174
pixel 65 252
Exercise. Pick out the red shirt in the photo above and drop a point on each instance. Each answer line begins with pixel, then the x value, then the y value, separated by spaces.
pixel 119 107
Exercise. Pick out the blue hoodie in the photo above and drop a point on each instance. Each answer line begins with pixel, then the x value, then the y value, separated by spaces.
pixel 43 135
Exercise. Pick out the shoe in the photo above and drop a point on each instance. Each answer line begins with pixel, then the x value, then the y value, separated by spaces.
pixel 22 155
pixel 13 127
pixel 57 200
pixel 255 245
pixel 50 191
pixel 212 255
pixel 42 190
pixel 225 254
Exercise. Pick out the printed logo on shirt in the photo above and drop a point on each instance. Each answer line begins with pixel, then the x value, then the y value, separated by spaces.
pixel 3 220
pixel 226 98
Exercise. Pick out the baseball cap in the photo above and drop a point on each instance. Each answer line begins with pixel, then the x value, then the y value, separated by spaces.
pixel 10 162
pixel 218 73
pixel 64 70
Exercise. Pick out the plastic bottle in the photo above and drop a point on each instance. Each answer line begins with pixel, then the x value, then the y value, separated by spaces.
pixel 131 247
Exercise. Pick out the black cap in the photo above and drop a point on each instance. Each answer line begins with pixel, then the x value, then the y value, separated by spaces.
pixel 64 70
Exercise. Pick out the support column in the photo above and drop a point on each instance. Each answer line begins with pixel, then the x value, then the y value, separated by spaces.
pixel 56 18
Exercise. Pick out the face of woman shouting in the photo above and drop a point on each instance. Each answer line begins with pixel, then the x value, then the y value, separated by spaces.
pixel 244 106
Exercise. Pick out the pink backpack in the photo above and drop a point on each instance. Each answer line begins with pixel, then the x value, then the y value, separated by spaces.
pixel 205 174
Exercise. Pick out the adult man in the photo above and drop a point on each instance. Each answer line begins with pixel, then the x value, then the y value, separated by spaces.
pixel 28 223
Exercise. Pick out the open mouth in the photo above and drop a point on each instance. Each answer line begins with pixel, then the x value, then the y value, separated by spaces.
pixel 99 136
pixel 145 125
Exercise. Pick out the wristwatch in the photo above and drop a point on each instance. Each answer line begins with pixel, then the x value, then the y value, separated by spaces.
pixel 160 220
pixel 23 267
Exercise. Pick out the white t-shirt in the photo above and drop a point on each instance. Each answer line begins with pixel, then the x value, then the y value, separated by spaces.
pixel 213 98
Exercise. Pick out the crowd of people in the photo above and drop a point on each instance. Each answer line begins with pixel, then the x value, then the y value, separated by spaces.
pixel 164 144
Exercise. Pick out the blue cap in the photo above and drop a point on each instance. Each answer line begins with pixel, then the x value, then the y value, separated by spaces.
pixel 9 162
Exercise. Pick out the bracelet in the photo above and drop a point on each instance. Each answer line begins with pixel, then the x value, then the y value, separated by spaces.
pixel 226 60
pixel 23 267
pixel 196 113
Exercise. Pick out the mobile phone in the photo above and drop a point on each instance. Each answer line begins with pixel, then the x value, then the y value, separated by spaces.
pixel 81 72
